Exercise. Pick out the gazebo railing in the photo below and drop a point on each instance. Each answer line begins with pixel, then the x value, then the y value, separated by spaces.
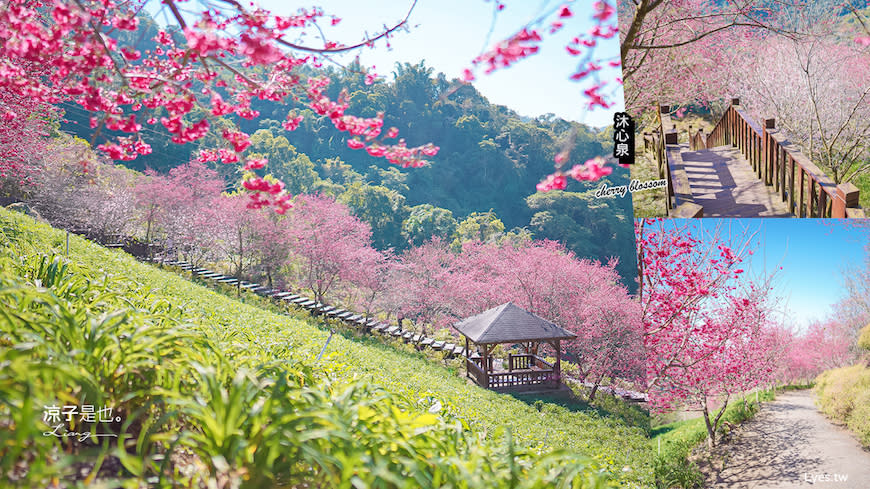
pixel 523 377
pixel 475 371
pixel 525 361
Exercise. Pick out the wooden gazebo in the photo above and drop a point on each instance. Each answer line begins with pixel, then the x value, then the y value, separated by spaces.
pixel 509 324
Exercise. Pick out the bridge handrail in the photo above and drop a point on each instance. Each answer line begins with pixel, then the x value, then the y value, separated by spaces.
pixel 665 147
pixel 779 163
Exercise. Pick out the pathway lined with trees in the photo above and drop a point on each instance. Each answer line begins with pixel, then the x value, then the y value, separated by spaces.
pixel 790 444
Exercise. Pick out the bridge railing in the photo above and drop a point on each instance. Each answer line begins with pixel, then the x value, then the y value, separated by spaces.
pixel 780 164
pixel 664 146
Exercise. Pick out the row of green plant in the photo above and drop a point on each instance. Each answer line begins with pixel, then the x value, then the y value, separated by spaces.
pixel 206 387
pixel 674 442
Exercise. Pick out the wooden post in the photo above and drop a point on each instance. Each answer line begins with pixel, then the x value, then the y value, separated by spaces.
pixel 802 201
pixel 847 196
pixel 557 369
pixel 483 365
pixel 768 161
pixel 467 358
pixel 823 202
pixel 790 184
pixel 671 137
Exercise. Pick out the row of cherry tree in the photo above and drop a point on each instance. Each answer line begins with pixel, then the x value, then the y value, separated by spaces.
pixel 712 331
pixel 319 247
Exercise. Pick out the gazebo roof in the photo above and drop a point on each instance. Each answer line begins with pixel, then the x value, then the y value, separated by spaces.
pixel 508 323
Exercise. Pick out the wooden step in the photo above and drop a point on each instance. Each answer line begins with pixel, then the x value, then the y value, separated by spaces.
pixel 344 316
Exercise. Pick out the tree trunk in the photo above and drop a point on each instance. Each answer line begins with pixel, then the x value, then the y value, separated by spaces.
pixel 595 387
pixel 711 431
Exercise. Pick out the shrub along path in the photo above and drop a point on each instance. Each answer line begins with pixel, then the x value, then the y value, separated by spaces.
pixel 790 444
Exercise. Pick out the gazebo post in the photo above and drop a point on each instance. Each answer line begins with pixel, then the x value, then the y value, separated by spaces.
pixel 467 358
pixel 557 370
pixel 485 364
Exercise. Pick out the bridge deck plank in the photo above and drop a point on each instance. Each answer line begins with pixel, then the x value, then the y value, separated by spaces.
pixel 723 182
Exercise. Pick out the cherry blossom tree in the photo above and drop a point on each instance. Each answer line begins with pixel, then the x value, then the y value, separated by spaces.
pixel 683 273
pixel 239 231
pixel 585 297
pixel 369 277
pixel 684 52
pixel 179 207
pixel 150 195
pixel 424 284
pixel 828 344
pixel 728 354
pixel 272 247
pixel 67 167
pixel 326 243
pixel 709 331
pixel 24 131
pixel 818 89
pixel 105 207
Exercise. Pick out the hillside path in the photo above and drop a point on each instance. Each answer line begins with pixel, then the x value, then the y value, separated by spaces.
pixel 790 444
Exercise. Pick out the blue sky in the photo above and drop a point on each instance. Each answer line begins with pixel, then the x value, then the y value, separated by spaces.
pixel 813 254
pixel 448 34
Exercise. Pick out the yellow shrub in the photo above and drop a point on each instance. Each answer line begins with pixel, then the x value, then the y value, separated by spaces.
pixel 859 421
pixel 844 395
pixel 864 338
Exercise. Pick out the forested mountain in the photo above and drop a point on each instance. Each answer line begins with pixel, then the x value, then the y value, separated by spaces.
pixel 485 172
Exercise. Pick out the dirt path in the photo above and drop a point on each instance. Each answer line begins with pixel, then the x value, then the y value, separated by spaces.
pixel 790 444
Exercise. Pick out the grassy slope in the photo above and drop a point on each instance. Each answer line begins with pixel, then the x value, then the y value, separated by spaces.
pixel 241 330
pixel 863 184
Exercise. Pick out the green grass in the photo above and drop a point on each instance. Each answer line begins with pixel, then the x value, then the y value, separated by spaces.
pixel 673 444
pixel 647 203
pixel 844 395
pixel 204 355
pixel 863 184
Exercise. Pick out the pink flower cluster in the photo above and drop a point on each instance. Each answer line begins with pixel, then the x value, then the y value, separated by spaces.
pixel 125 149
pixel 591 170
pixel 266 191
pixel 509 51
pixel 524 44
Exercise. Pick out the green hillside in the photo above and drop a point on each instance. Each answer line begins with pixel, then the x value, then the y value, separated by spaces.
pixel 224 388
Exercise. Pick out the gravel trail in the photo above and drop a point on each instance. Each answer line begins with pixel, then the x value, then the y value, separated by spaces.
pixel 790 444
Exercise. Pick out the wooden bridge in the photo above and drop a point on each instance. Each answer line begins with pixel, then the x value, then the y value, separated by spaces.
pixel 742 169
